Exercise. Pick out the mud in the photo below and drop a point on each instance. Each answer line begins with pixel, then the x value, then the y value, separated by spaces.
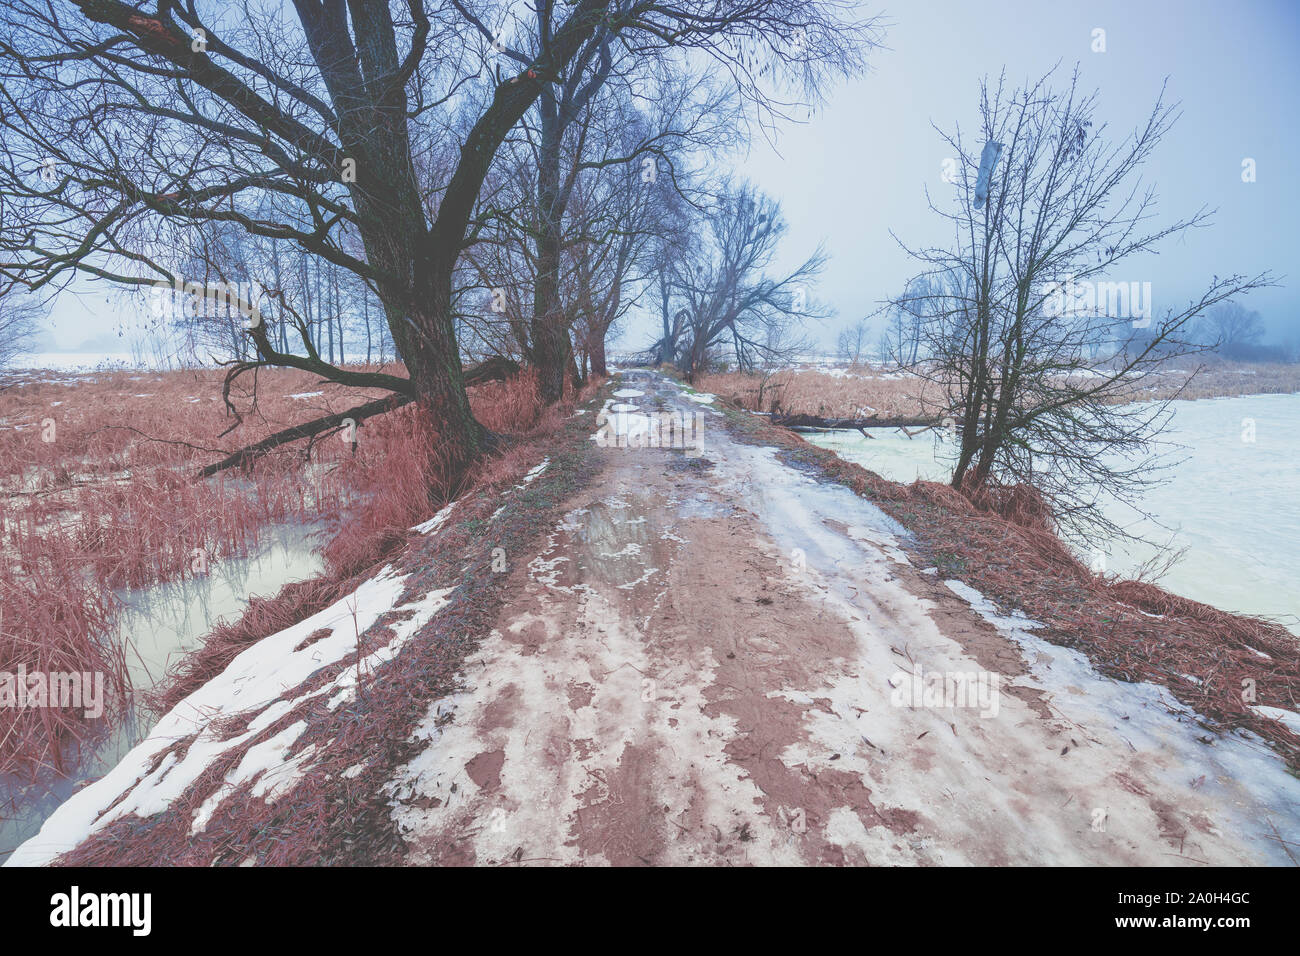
pixel 703 666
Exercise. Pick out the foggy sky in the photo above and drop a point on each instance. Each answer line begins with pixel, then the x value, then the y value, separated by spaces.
pixel 859 167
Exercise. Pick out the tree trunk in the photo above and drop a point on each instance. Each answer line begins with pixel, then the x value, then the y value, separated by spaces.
pixel 597 355
pixel 575 370
pixel 550 336
pixel 550 350
pixel 330 315
pixel 435 370
pixel 423 328
pixel 338 313
pixel 667 345
pixel 365 311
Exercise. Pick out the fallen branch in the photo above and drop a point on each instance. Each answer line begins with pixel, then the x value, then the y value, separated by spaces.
pixel 491 370
pixel 494 369
pixel 797 422
pixel 307 430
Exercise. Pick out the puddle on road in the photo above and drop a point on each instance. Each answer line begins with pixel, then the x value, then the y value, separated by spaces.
pixel 615 548
pixel 703 507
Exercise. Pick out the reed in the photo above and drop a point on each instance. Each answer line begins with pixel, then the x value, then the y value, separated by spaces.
pixel 96 476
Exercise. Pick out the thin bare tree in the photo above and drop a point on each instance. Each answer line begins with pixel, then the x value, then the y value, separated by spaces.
pixel 19 317
pixel 1231 329
pixel 852 341
pixel 1047 210
pixel 729 302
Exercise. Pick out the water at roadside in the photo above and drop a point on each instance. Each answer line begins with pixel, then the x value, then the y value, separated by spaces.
pixel 1233 504
pixel 163 623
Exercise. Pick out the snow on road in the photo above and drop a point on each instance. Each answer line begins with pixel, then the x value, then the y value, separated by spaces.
pixel 715 658
pixel 722 660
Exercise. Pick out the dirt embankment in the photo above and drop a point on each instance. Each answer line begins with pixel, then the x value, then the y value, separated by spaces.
pixel 704 655
pixel 278 748
pixel 719 658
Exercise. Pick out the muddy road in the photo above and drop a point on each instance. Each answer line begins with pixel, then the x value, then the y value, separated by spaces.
pixel 716 659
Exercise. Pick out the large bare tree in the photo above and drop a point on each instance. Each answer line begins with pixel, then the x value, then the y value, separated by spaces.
pixel 626 180
pixel 304 122
pixel 728 300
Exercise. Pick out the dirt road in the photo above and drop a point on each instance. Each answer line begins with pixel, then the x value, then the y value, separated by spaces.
pixel 718 660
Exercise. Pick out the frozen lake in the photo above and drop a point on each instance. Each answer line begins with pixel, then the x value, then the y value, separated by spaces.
pixel 1233 504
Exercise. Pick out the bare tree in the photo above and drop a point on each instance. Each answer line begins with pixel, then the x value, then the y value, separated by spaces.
pixel 562 147
pixel 729 301
pixel 629 209
pixel 1045 213
pixel 608 273
pixel 901 338
pixel 19 315
pixel 670 248
pixel 622 177
pixel 124 127
pixel 1230 328
pixel 852 341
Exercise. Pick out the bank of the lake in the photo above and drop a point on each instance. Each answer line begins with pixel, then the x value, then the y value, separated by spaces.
pixel 1231 502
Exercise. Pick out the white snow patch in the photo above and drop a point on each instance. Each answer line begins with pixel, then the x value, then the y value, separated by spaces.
pixel 253 683
pixel 423 611
pixel 1289 718
pixel 532 475
pixel 269 758
pixel 538 798
pixel 629 549
pixel 650 572
pixel 436 522
pixel 1250 780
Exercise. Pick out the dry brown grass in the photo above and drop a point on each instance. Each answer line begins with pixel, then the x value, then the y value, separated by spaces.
pixel 1223 380
pixel 97 479
pixel 331 817
pixel 866 392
